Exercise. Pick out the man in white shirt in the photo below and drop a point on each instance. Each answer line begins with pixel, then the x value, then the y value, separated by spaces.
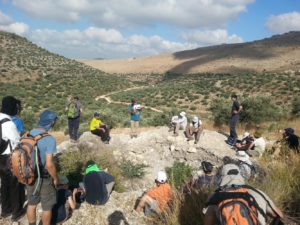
pixel 258 147
pixel 178 122
pixel 194 129
pixel 12 192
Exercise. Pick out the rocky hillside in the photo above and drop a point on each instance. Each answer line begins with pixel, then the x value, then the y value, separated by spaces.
pixel 276 54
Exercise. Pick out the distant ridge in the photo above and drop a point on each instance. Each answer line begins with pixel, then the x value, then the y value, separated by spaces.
pixel 275 54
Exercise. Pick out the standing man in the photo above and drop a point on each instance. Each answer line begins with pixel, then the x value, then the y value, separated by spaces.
pixel 73 109
pixel 46 193
pixel 134 109
pixel 235 115
pixel 12 192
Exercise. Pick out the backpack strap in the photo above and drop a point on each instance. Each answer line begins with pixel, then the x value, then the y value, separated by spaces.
pixel 4 120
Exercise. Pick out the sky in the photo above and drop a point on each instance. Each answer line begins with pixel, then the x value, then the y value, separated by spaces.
pixel 88 29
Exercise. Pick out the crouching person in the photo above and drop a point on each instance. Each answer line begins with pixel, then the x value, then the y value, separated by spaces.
pixel 98 128
pixel 66 202
pixel 98 184
pixel 44 191
pixel 194 129
pixel 157 198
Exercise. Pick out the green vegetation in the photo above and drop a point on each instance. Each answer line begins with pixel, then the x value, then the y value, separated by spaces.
pixel 132 170
pixel 179 174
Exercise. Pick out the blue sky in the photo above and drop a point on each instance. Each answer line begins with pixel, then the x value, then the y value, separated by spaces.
pixel 129 28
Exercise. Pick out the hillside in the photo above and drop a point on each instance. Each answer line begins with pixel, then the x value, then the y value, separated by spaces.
pixel 276 54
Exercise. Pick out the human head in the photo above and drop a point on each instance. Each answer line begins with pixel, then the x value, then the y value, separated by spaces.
pixel 233 97
pixel 289 131
pixel 161 177
pixel 96 114
pixel 91 166
pixel 257 134
pixel 133 101
pixel 182 114
pixel 76 98
pixel 195 119
pixel 227 160
pixel 47 119
pixel 9 105
pixel 242 156
pixel 207 167
pixel 231 175
pixel 246 134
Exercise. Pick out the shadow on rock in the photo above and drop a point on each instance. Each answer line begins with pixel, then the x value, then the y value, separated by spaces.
pixel 117 218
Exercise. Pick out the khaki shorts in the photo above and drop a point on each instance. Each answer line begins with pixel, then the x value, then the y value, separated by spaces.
pixel 46 194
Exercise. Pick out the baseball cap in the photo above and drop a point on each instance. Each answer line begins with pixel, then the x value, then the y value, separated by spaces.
pixel 246 134
pixel 195 119
pixel 182 114
pixel 242 155
pixel 231 175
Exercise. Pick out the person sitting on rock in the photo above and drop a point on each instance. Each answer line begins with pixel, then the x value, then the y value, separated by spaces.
pixel 245 143
pixel 178 123
pixel 194 129
pixel 98 184
pixel 258 146
pixel 65 203
pixel 157 198
pixel 98 128
pixel 208 180
pixel 291 139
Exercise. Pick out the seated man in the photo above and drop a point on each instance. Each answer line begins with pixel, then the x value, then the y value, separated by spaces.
pixel 258 146
pixel 194 129
pixel 98 128
pixel 246 166
pixel 62 211
pixel 208 180
pixel 291 139
pixel 97 184
pixel 245 143
pixel 157 198
pixel 178 123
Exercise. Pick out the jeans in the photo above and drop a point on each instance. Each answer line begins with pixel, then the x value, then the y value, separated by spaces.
pixel 12 192
pixel 73 127
pixel 232 125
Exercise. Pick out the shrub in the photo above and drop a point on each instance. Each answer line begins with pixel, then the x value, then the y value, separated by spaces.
pixel 131 170
pixel 179 174
pixel 296 106
pixel 220 109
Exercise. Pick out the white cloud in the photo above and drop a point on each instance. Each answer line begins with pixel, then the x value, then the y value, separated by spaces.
pixel 4 19
pixel 7 24
pixel 124 13
pixel 211 37
pixel 98 42
pixel 284 22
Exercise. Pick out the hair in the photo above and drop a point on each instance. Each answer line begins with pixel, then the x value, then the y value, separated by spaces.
pixel 233 96
pixel 76 98
pixel 207 167
pixel 89 163
pixel 10 105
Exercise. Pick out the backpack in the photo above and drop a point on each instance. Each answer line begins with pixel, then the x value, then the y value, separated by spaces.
pixel 24 160
pixel 73 110
pixel 3 144
pixel 236 206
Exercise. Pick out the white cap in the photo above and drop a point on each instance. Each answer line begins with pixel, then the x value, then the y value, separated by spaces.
pixel 242 155
pixel 246 134
pixel 161 177
pixel 195 119
pixel 182 114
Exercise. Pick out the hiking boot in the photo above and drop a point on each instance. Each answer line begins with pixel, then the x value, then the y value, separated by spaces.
pixel 18 216
pixel 175 134
pixel 195 142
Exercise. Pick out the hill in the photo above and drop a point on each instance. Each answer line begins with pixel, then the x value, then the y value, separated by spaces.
pixel 276 54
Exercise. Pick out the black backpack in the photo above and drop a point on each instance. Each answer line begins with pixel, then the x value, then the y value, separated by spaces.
pixel 3 144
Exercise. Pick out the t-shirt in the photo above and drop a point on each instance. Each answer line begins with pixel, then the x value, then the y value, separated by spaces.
pixel 293 141
pixel 59 211
pixel 9 132
pixel 182 121
pixel 95 124
pixel 235 107
pixel 260 145
pixel 46 145
pixel 135 114
pixel 174 119
pixel 95 187
pixel 19 123
pixel 162 194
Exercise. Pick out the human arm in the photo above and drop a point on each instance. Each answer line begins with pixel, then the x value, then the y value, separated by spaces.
pixel 210 215
pixel 51 168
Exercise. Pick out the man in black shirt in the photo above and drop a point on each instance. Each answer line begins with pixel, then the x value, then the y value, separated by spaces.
pixel 97 184
pixel 291 139
pixel 235 111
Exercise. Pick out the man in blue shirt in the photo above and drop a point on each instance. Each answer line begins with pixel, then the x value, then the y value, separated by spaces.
pixel 44 191
pixel 134 110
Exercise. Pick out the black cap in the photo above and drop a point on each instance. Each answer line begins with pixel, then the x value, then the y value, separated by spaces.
pixel 207 167
pixel 10 105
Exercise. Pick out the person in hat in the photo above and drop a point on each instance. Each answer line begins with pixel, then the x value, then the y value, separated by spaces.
pixel 291 139
pixel 232 181
pixel 134 109
pixel 194 129
pixel 49 178
pixel 62 211
pixel 178 123
pixel 12 192
pixel 157 198
pixel 208 180
pixel 98 184
pixel 100 129
pixel 245 164
pixel 245 143
pixel 258 146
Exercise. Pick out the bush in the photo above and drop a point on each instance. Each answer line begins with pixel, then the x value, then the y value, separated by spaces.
pixel 131 170
pixel 220 109
pixel 179 174
pixel 296 106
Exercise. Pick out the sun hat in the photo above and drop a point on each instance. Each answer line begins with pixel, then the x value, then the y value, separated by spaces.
pixel 231 175
pixel 207 166
pixel 161 177
pixel 195 119
pixel 246 134
pixel 182 114
pixel 63 180
pixel 242 155
pixel 46 119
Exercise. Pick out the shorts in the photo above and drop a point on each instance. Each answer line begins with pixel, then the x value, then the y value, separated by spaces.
pixel 151 209
pixel 46 194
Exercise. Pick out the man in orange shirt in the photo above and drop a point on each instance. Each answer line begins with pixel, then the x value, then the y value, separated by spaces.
pixel 157 198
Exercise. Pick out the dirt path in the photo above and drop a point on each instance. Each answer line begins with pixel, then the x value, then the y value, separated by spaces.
pixel 109 100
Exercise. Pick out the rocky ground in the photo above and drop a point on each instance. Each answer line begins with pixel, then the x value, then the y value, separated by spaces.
pixel 156 148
